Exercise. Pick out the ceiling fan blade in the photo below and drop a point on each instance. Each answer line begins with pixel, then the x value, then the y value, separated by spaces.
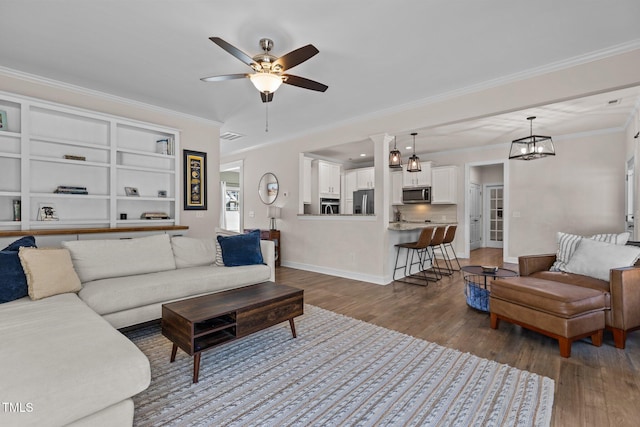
pixel 296 57
pixel 224 77
pixel 304 83
pixel 234 51
pixel 266 97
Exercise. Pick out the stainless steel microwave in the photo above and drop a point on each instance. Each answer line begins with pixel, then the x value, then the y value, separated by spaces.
pixel 416 195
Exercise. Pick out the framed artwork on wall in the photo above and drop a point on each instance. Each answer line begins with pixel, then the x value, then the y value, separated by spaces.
pixel 195 178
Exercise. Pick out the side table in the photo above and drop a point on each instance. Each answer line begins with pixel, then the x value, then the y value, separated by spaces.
pixel 274 236
pixel 475 284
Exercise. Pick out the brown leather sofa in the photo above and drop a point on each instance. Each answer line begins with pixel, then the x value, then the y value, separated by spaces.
pixel 622 291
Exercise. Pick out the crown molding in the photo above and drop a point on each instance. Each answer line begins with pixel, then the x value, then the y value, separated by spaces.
pixel 32 78
pixel 467 90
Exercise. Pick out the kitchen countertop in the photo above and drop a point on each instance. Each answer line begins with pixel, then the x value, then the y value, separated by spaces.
pixel 415 225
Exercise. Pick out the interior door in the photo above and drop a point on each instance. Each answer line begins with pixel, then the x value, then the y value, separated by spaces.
pixel 475 216
pixel 493 223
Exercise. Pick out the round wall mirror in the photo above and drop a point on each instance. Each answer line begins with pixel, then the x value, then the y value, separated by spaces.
pixel 268 188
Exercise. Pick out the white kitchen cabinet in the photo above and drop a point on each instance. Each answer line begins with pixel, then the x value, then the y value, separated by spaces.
pixel 306 180
pixel 396 188
pixel 444 185
pixel 45 146
pixel 350 185
pixel 365 178
pixel 418 179
pixel 329 179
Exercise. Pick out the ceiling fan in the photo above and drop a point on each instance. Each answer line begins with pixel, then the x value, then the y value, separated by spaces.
pixel 269 70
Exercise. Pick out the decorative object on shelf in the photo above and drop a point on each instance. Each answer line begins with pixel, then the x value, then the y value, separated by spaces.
pixel 131 191
pixel 123 216
pixel 154 215
pixel 195 191
pixel 3 120
pixel 66 189
pixel 268 188
pixel 73 157
pixel 533 146
pixel 47 212
pixel 273 213
pixel 413 165
pixel 17 210
pixel 162 193
pixel 395 161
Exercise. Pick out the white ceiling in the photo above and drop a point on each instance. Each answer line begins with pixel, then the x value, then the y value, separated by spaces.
pixel 374 56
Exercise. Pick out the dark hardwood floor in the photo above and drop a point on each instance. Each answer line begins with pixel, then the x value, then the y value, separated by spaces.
pixel 596 386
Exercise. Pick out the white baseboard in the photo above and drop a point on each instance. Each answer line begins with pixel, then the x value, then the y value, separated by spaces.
pixel 378 280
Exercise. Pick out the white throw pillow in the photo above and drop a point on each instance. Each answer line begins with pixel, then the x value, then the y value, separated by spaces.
pixel 193 252
pixel 595 259
pixel 567 244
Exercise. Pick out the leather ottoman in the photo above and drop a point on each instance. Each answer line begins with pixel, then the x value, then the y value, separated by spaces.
pixel 558 310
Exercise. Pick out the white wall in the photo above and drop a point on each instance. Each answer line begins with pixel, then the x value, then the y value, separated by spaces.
pixel 195 134
pixel 562 193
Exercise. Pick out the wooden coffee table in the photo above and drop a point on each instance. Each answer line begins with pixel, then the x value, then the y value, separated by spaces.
pixel 199 323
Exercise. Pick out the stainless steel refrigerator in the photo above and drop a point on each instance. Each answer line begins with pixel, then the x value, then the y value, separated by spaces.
pixel 363 202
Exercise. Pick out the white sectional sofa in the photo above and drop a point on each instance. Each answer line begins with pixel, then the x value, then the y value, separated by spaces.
pixel 62 360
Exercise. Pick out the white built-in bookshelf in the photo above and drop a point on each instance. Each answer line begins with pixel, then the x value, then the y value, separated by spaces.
pixel 108 153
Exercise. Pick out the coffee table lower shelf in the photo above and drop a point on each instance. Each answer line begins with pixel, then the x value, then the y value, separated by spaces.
pixel 200 323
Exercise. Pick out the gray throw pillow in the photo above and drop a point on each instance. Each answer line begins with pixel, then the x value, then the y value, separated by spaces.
pixel 596 259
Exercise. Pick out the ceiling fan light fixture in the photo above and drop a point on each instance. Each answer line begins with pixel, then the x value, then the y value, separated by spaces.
pixel 413 165
pixel 532 147
pixel 266 82
pixel 395 161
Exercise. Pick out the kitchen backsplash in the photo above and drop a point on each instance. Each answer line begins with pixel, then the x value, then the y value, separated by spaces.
pixel 435 213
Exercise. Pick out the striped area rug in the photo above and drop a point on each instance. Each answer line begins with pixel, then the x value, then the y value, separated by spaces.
pixel 338 372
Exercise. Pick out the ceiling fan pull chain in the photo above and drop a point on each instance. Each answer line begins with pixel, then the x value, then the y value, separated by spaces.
pixel 266 124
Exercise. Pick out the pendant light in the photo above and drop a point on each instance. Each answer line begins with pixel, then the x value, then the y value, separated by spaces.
pixel 533 146
pixel 413 165
pixel 395 162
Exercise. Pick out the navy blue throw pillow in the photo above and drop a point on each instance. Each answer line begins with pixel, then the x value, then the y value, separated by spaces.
pixel 243 249
pixel 13 283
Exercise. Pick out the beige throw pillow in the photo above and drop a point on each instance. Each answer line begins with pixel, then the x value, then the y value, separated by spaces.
pixel 49 272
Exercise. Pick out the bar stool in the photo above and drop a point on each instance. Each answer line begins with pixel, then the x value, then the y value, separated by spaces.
pixel 418 248
pixel 436 242
pixel 448 239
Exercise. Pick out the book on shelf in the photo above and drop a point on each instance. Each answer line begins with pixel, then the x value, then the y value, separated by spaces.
pixel 154 215
pixel 72 157
pixel 66 189
pixel 165 146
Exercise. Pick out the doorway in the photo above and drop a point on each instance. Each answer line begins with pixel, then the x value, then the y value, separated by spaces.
pixel 486 220
pixel 231 213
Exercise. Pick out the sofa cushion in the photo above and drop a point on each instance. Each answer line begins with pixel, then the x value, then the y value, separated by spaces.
pixel 193 252
pixel 66 360
pixel 596 259
pixel 240 250
pixel 573 279
pixel 100 259
pixel 567 244
pixel 49 272
pixel 13 283
pixel 112 295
